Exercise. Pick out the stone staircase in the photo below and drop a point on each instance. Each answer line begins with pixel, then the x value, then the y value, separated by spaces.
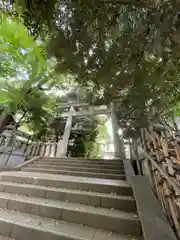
pixel 68 199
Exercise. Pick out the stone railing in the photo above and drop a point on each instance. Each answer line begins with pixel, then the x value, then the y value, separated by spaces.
pixel 161 163
pixel 47 149
pixel 17 147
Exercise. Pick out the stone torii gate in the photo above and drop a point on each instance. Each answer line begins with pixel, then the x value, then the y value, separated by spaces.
pixel 87 112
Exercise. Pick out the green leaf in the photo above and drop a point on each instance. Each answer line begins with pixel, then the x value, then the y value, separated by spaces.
pixel 4 97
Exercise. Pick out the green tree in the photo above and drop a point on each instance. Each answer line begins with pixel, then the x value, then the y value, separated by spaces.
pixel 127 51
pixel 24 71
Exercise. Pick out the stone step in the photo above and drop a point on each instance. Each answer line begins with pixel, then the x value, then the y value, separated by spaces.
pixel 72 168
pixel 5 238
pixel 81 165
pixel 112 200
pixel 73 173
pixel 103 218
pixel 69 182
pixel 22 226
pixel 101 163
pixel 82 160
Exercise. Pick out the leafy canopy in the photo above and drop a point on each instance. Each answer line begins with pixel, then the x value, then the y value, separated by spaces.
pixel 128 50
pixel 24 73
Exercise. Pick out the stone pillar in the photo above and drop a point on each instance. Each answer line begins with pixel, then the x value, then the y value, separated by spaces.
pixel 63 144
pixel 118 143
pixel 7 149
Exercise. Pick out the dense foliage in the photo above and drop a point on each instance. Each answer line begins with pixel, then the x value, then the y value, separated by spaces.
pixel 30 90
pixel 83 140
pixel 127 50
pixel 24 70
pixel 88 139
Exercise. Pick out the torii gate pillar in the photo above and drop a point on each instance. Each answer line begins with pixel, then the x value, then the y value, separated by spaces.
pixel 118 143
pixel 63 144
